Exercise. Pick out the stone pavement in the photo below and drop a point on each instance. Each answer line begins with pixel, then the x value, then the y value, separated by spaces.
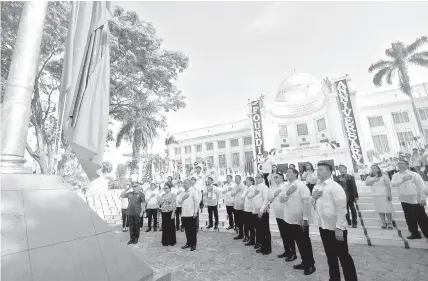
pixel 219 257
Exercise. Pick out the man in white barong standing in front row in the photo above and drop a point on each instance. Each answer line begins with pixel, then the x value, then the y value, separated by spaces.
pixel 189 204
pixel 329 210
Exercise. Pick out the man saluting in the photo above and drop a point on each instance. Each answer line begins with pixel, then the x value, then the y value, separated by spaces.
pixel 135 211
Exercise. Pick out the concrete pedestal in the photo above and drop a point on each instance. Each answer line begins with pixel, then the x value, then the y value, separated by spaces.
pixel 49 234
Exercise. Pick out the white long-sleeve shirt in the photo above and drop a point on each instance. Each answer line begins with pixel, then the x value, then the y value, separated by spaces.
pixel 152 201
pixel 410 191
pixel 238 201
pixel 227 193
pixel 191 204
pixel 297 207
pixel 261 200
pixel 330 209
pixel 276 205
pixel 248 203
pixel 178 191
pixel 211 197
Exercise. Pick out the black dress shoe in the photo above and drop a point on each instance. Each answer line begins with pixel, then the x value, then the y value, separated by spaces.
pixel 173 244
pixel 354 225
pixel 148 229
pixel 299 266
pixel 135 242
pixel 238 237
pixel 266 252
pixel 291 258
pixel 185 247
pixel 309 270
pixel 284 255
pixel 130 242
pixel 193 248
pixel 246 239
pixel 257 246
pixel 259 251
pixel 229 228
pixel 250 243
pixel 411 237
pixel 210 226
pixel 215 227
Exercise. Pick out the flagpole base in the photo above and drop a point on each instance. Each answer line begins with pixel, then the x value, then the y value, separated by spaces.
pixel 13 164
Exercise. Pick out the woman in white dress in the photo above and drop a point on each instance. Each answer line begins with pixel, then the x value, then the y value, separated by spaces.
pixel 272 183
pixel 381 191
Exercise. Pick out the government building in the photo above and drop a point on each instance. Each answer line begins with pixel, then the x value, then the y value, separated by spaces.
pixel 308 121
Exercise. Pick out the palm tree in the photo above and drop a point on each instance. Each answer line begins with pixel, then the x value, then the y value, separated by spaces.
pixel 140 128
pixel 400 57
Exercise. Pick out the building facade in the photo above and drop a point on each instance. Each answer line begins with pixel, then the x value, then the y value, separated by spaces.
pixel 309 121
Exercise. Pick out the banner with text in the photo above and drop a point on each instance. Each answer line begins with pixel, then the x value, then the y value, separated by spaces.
pixel 258 132
pixel 349 123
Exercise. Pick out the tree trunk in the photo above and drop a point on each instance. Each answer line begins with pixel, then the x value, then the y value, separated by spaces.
pixel 418 119
pixel 44 169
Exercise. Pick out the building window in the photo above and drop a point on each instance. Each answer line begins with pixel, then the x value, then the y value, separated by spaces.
pixel 405 138
pixel 188 164
pixel 284 145
pixel 380 143
pixel 283 131
pixel 177 150
pixel 222 161
pixel 234 143
pixel 235 160
pixel 248 140
pixel 423 113
pixel 321 125
pixel 187 149
pixel 302 129
pixel 400 117
pixel 209 146
pixel 376 121
pixel 198 147
pixel 221 144
pixel 248 155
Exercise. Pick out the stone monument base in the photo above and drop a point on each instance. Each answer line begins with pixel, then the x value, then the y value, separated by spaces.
pixel 49 234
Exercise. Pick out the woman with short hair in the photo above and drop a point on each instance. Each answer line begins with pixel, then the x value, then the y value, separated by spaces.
pixel 382 196
pixel 168 205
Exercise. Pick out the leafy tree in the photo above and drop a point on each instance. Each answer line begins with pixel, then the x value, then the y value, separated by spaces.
pixel 107 167
pixel 400 57
pixel 142 77
pixel 43 105
pixel 168 141
pixel 121 172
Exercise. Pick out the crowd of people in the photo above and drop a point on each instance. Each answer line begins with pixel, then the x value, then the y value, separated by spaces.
pixel 316 195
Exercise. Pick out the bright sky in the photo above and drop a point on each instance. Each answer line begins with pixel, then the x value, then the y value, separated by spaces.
pixel 239 50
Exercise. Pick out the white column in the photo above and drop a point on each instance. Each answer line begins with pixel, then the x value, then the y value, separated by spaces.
pixel 183 160
pixel 193 153
pixel 241 154
pixel 215 153
pixel 228 154
pixel 16 105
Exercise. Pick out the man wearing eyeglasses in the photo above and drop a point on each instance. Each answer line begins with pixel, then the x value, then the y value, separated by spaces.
pixel 411 194
pixel 261 212
pixel 329 209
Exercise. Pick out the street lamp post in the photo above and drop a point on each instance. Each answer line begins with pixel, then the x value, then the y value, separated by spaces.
pixel 16 106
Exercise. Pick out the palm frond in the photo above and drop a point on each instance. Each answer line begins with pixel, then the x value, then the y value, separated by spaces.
pixel 380 75
pixel 420 61
pixel 379 65
pixel 124 130
pixel 416 45
pixel 422 54
pixel 390 75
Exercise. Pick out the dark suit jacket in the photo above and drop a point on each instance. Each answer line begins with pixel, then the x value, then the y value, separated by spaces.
pixel 349 185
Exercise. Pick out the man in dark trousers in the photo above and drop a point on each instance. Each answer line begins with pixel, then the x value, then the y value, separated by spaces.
pixel 135 211
pixel 348 183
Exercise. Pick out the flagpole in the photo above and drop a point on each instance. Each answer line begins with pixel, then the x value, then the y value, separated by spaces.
pixel 16 106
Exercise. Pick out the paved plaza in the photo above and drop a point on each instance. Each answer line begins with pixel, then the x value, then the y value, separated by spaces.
pixel 219 257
